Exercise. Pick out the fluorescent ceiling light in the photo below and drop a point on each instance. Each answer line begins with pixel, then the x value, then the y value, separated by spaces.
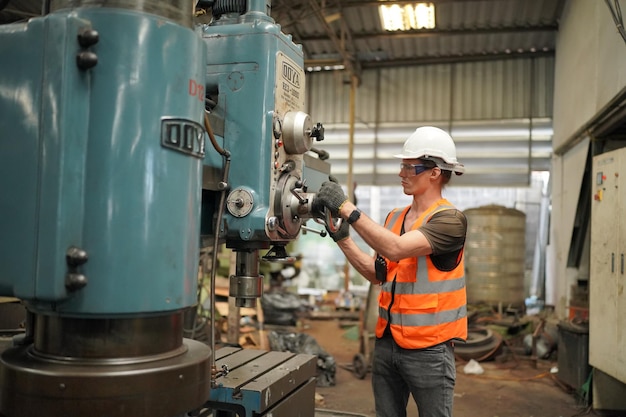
pixel 407 17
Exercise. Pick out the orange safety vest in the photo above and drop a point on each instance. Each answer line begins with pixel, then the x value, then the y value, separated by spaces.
pixel 423 305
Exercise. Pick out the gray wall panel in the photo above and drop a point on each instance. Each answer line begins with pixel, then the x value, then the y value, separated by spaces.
pixel 487 90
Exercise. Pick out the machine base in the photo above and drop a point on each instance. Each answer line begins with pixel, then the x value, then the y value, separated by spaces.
pixel 35 387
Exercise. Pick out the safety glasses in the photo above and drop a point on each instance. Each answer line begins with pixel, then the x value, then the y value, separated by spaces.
pixel 411 170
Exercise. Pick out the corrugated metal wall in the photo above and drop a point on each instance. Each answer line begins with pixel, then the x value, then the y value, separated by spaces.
pixel 478 91
pixel 504 106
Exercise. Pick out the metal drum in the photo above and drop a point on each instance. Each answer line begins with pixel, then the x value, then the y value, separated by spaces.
pixel 495 255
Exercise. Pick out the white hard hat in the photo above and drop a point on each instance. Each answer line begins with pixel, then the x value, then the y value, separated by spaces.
pixel 434 144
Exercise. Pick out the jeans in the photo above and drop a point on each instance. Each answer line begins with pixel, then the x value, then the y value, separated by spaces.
pixel 427 374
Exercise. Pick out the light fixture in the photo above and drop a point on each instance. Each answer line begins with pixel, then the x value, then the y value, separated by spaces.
pixel 407 17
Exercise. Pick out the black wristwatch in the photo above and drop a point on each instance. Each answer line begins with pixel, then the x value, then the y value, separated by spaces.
pixel 354 216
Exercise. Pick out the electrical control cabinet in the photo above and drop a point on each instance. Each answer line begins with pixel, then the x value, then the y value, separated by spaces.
pixel 607 302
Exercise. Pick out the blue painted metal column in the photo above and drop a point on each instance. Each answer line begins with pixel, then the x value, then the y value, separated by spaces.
pixel 101 148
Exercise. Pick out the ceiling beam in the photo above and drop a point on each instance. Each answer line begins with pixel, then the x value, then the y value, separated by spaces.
pixel 361 3
pixel 344 44
pixel 419 33
pixel 449 59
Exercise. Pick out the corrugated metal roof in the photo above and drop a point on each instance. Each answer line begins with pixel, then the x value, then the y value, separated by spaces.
pixel 349 31
pixel 466 30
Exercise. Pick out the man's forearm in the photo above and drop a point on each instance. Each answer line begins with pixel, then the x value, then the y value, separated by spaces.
pixel 360 260
pixel 383 241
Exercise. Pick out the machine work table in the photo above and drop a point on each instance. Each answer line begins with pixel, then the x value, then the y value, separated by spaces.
pixel 256 383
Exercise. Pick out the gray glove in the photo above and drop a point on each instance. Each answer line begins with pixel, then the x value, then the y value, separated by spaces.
pixel 342 233
pixel 330 196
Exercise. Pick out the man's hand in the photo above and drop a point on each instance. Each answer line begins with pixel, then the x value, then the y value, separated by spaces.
pixel 342 233
pixel 330 196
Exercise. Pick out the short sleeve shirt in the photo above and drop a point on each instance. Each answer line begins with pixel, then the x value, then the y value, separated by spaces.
pixel 446 231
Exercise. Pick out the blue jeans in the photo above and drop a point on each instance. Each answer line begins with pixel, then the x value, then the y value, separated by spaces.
pixel 427 374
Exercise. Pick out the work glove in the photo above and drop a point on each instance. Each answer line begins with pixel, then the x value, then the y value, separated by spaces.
pixel 330 196
pixel 342 233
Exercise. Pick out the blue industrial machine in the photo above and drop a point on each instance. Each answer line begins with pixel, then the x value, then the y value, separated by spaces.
pixel 126 133
pixel 265 177
pixel 255 85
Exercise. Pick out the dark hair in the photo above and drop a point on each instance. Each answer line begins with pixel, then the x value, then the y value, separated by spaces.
pixel 432 162
pixel 446 176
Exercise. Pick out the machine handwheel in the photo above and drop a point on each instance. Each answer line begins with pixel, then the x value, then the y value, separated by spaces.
pixel 360 365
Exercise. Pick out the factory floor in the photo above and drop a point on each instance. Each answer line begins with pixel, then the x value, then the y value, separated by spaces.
pixel 515 388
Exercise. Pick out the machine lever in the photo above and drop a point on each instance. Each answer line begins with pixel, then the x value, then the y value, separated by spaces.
pixel 322 154
pixel 332 223
pixel 322 232
pixel 301 200
pixel 329 221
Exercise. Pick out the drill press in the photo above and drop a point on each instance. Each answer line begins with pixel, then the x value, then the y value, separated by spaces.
pixel 102 146
pixel 256 85
pixel 107 177
pixel 265 178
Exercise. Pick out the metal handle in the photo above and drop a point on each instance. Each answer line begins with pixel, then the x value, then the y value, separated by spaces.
pixel 322 233
pixel 332 223
pixel 612 262
pixel 329 221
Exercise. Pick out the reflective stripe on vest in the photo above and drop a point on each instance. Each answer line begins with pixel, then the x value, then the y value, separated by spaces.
pixel 447 316
pixel 425 311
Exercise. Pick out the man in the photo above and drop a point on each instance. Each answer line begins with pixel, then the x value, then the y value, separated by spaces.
pixel 422 303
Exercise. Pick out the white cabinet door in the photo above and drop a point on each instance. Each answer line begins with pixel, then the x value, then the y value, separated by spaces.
pixel 607 302
pixel 620 277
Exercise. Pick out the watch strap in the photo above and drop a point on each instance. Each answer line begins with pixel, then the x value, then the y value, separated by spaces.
pixel 354 216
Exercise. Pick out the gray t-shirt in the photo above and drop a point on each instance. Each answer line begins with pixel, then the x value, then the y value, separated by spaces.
pixel 446 232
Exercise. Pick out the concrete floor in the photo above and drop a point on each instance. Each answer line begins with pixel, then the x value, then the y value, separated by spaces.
pixel 508 389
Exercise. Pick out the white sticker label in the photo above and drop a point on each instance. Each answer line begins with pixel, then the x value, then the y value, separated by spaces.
pixel 289 85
